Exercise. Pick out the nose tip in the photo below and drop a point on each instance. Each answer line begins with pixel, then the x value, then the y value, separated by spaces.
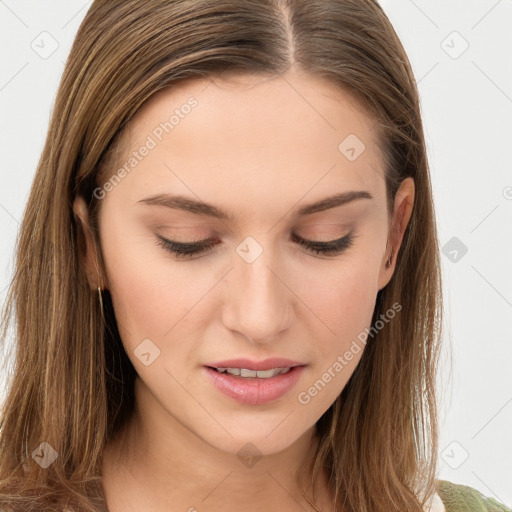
pixel 258 304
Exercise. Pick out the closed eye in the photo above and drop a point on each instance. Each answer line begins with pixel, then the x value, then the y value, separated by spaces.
pixel 186 249
pixel 331 248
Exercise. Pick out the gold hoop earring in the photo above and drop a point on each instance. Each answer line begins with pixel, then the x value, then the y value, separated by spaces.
pixel 100 297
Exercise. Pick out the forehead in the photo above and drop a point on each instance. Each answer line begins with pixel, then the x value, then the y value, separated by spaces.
pixel 283 137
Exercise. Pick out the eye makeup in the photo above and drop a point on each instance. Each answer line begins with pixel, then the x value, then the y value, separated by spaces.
pixel 187 249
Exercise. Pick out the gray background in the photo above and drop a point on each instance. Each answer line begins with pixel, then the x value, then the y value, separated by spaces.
pixel 461 56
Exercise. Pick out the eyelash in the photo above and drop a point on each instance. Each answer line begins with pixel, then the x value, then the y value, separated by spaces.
pixel 332 248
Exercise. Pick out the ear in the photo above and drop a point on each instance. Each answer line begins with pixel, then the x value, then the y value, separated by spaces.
pixel 402 211
pixel 86 245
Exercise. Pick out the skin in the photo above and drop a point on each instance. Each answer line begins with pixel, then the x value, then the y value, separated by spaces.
pixel 260 150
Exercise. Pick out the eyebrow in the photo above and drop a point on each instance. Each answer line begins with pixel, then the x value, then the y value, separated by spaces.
pixel 208 210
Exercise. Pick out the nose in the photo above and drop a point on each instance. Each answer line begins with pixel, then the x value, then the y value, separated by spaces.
pixel 258 303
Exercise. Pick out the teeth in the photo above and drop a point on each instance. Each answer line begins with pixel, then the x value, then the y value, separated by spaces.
pixel 261 374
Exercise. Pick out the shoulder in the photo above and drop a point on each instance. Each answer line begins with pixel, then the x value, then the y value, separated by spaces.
pixel 462 498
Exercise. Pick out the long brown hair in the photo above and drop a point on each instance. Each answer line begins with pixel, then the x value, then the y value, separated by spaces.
pixel 72 383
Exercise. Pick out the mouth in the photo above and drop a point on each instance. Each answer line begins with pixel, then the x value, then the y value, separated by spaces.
pixel 242 363
pixel 254 387
pixel 245 373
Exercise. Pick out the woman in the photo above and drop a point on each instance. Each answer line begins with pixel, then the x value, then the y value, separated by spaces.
pixel 227 284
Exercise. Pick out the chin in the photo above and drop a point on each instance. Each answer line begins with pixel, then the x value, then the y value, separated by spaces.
pixel 257 439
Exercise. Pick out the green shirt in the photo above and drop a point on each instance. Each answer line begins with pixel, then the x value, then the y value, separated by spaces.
pixel 461 498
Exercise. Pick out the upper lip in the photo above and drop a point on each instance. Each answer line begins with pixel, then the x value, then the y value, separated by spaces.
pixel 266 364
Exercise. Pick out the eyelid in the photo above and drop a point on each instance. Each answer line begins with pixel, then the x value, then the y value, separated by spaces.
pixel 329 248
pixel 308 240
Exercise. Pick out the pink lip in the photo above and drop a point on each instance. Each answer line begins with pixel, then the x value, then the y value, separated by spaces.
pixel 266 364
pixel 254 391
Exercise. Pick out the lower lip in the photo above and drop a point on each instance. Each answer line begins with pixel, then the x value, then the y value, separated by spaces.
pixel 252 390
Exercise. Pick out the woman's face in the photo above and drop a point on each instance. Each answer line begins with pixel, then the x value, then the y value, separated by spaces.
pixel 263 152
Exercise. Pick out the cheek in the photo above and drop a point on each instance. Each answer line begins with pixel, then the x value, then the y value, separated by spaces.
pixel 149 294
pixel 344 297
pixel 345 304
